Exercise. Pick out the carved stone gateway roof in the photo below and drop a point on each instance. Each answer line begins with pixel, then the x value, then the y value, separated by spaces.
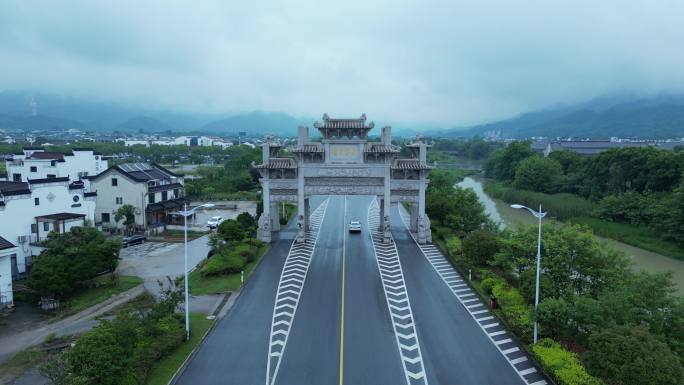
pixel 278 163
pixel 308 148
pixel 380 148
pixel 344 127
pixel 410 164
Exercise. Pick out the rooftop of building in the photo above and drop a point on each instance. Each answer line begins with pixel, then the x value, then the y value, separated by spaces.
pixel 5 244
pixel 14 188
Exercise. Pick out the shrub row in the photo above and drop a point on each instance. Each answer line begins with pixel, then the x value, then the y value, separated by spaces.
pixel 563 366
pixel 231 259
pixel 516 312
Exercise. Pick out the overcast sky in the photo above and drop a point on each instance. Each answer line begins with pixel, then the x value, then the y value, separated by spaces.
pixel 438 63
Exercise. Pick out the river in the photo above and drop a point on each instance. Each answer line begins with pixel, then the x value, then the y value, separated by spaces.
pixel 502 212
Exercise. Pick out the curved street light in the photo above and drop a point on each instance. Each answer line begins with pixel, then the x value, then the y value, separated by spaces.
pixel 186 213
pixel 539 215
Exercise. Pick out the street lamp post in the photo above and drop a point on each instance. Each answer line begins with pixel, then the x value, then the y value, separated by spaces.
pixel 186 213
pixel 539 215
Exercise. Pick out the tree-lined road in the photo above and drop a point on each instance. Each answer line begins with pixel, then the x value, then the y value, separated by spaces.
pixel 340 330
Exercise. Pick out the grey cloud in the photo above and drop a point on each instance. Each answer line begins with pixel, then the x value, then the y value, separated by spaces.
pixel 436 63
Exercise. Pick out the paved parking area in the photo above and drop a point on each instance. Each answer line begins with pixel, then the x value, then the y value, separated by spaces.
pixel 222 209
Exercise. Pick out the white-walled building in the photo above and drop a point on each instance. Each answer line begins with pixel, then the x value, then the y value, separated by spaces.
pixel 8 252
pixel 36 163
pixel 154 191
pixel 29 211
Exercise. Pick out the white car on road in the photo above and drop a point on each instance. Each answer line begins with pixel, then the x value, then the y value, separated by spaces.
pixel 354 227
pixel 214 222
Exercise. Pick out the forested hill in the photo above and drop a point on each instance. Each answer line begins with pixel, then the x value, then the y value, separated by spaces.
pixel 661 117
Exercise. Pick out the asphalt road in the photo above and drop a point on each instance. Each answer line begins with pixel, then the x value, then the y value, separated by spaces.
pixel 455 349
pixel 347 339
pixel 236 350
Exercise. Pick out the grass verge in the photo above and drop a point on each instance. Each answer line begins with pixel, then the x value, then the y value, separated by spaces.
pixel 162 371
pixel 95 295
pixel 200 285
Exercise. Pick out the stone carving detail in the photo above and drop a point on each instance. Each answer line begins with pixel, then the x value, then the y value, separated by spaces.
pixel 343 181
pixel 344 172
pixel 279 191
pixel 386 230
pixel 281 184
pixel 343 190
pixel 424 232
pixel 301 234
pixel 264 230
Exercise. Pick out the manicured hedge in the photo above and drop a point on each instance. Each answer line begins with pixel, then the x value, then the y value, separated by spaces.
pixel 563 366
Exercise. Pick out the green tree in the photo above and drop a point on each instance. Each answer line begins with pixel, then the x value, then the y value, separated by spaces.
pixel 537 174
pixel 553 315
pixel 246 220
pixel 574 261
pixel 632 356
pixel 480 246
pixel 71 258
pixel 127 213
pixel 231 230
pixel 502 163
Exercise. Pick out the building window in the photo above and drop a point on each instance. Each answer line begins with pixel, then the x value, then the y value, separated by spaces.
pixel 51 176
pixel 115 182
pixel 33 228
pixel 34 169
pixel 36 201
pixel 150 198
pixel 119 200
pixel 46 226
pixel 105 217
pixel 175 193
pixel 16 177
pixel 165 195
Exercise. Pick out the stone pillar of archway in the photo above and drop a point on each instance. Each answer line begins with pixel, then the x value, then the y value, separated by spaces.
pixel 307 214
pixel 264 230
pixel 275 216
pixel 414 218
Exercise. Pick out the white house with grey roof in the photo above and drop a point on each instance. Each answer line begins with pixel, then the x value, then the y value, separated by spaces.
pixel 36 163
pixel 30 210
pixel 8 252
pixel 154 191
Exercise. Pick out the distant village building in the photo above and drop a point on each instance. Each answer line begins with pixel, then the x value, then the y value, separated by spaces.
pixel 595 147
pixel 29 211
pixel 154 191
pixel 36 163
pixel 190 141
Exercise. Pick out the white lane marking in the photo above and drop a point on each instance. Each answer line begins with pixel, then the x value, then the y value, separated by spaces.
pixel 400 308
pixel 519 360
pixel 435 257
pixel 528 371
pixel 290 288
pixel 497 333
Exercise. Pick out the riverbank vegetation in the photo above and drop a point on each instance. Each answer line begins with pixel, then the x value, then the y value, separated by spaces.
pixel 591 300
pixel 634 195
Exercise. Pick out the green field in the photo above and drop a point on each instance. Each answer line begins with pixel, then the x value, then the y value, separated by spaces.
pixel 162 371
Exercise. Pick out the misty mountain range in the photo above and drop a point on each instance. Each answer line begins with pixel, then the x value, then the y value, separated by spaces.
pixel 604 117
pixel 623 116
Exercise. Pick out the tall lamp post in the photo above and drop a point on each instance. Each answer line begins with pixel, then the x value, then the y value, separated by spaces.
pixel 539 215
pixel 186 213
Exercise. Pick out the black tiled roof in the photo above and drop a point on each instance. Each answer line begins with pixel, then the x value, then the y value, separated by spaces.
pixel 90 194
pixel 60 216
pixel 14 188
pixel 48 180
pixel 167 205
pixel 165 187
pixel 5 244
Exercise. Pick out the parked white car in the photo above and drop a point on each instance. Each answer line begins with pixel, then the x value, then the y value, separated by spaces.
pixel 214 222
pixel 354 227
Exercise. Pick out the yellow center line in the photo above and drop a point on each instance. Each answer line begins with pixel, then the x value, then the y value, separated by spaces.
pixel 344 252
